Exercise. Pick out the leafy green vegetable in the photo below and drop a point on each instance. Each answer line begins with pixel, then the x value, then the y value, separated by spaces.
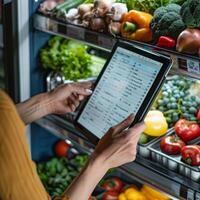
pixel 167 22
pixel 190 13
pixel 148 6
pixel 56 175
pixel 67 56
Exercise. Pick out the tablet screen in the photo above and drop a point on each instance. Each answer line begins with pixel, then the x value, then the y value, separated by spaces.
pixel 120 91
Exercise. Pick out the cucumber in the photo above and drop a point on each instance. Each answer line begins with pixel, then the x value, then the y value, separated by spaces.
pixel 68 5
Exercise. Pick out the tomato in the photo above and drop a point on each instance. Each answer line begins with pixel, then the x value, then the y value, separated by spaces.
pixel 171 145
pixel 187 130
pixel 61 148
pixel 113 184
pixel 191 154
pixel 110 195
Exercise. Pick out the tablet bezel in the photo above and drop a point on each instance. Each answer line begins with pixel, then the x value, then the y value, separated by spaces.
pixel 151 95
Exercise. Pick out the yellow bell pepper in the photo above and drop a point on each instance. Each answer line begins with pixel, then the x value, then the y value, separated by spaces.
pixel 136 26
pixel 152 194
pixel 131 194
pixel 155 124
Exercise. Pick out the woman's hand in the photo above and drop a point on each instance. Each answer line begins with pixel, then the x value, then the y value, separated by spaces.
pixel 119 144
pixel 67 97
pixel 116 148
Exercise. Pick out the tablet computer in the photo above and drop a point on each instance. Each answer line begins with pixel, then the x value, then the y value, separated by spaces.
pixel 128 83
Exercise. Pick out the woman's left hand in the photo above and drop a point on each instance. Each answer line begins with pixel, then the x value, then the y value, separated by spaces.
pixel 67 97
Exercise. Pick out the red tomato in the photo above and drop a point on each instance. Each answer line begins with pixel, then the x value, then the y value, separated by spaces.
pixel 61 148
pixel 171 145
pixel 186 130
pixel 110 195
pixel 113 184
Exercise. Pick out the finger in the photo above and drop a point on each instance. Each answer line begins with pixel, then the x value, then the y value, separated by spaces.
pixel 137 129
pixel 123 125
pixel 80 90
pixel 85 84
pixel 81 97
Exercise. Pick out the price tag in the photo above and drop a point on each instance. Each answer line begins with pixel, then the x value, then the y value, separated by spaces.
pixel 76 32
pixel 193 66
pixel 41 22
pixel 106 42
pixel 53 26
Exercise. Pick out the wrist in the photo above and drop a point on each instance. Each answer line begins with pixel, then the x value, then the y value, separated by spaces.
pixel 96 161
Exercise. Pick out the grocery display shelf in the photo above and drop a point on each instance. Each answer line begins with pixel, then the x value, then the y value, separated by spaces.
pixel 185 64
pixel 146 170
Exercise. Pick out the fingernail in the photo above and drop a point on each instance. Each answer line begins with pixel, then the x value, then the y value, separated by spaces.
pixel 88 91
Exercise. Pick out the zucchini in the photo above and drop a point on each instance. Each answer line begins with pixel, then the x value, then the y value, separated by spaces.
pixel 68 5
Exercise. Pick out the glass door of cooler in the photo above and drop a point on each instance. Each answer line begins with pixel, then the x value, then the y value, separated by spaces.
pixel 9 49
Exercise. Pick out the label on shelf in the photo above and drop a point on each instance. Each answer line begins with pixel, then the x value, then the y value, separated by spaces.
pixel 193 66
pixel 76 32
pixel 52 26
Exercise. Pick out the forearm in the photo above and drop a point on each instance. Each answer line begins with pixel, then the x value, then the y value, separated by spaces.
pixel 83 186
pixel 34 108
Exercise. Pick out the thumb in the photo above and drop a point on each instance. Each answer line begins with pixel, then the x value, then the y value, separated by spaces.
pixel 123 125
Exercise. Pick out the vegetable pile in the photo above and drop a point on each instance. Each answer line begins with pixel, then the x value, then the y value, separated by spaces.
pixel 167 23
pixel 56 175
pixel 70 58
pixel 176 102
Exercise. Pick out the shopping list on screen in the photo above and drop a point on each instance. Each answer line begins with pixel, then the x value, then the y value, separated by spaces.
pixel 120 91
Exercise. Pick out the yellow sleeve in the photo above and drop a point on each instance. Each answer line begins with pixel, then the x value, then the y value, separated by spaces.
pixel 19 179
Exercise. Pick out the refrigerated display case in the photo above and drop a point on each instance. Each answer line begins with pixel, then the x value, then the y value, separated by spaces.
pixel 145 170
pixel 9 68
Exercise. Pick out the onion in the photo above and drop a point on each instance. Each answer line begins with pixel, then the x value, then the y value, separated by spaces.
pixel 48 6
pixel 72 13
pixel 118 10
pixel 114 28
pixel 84 8
pixel 189 41
pixel 101 7
pixel 97 24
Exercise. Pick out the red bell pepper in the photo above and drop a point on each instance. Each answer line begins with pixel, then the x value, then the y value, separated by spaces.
pixel 171 145
pixel 198 115
pixel 187 130
pixel 166 42
pixel 191 154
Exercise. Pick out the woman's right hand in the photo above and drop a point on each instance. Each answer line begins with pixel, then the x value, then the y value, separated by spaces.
pixel 117 147
pixel 119 144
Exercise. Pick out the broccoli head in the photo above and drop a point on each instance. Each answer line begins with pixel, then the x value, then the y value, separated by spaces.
pixel 190 13
pixel 167 22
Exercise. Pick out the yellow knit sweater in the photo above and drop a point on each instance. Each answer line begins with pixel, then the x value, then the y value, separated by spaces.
pixel 18 175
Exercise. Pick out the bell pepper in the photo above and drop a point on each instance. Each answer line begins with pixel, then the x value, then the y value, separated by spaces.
pixel 136 26
pixel 131 194
pixel 191 154
pixel 198 115
pixel 152 194
pixel 155 124
pixel 171 145
pixel 166 42
pixel 187 130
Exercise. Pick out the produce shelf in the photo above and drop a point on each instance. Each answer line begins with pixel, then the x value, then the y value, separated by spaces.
pixel 185 64
pixel 146 170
